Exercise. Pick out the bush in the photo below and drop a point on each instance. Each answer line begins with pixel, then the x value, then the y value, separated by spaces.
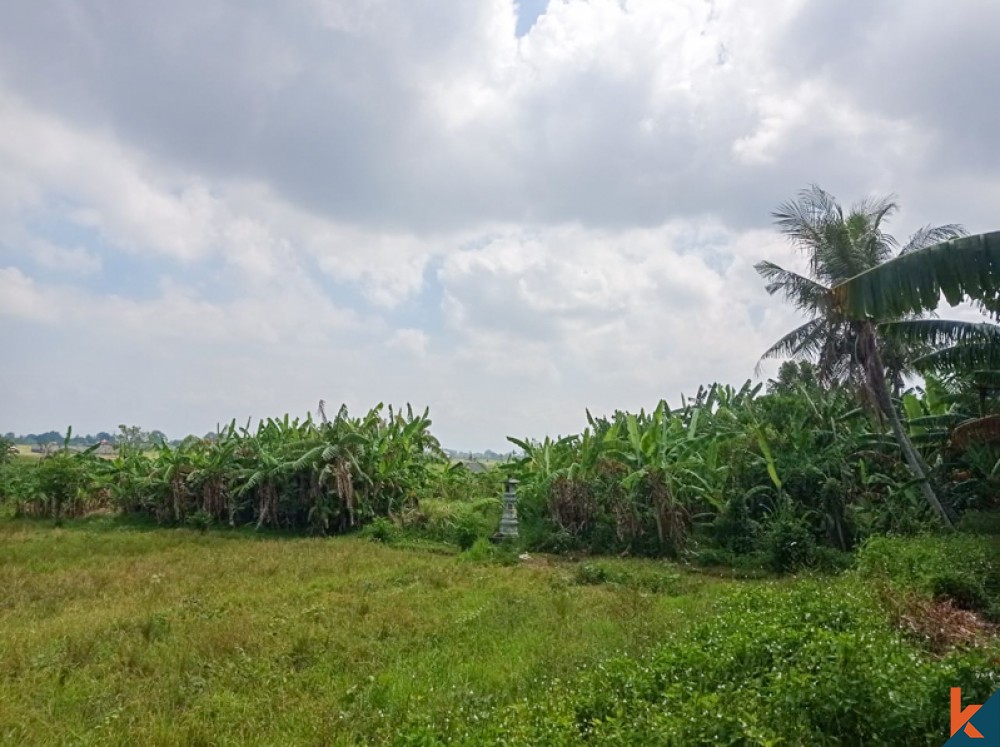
pixel 966 593
pixel 789 544
pixel 485 551
pixel 812 664
pixel 457 522
pixel 962 568
pixel 381 530
pixel 831 560
pixel 591 574
pixel 733 529
pixel 980 522
pixel 200 520
pixel 481 550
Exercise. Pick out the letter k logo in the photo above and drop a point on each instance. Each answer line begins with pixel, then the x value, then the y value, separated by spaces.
pixel 960 718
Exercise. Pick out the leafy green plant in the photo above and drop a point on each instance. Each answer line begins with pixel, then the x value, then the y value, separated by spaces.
pixel 381 530
pixel 962 568
pixel 788 543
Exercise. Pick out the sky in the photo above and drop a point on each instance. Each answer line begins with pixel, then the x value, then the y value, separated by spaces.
pixel 506 211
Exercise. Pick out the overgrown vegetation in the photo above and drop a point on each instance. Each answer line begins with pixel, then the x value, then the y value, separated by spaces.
pixel 116 633
pixel 788 477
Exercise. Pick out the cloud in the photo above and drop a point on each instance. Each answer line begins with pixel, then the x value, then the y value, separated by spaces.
pixel 508 213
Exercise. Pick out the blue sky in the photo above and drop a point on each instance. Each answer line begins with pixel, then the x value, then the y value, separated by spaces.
pixel 528 12
pixel 509 212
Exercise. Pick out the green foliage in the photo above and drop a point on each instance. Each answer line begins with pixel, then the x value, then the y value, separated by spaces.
pixel 381 530
pixel 788 543
pixel 959 268
pixel 200 520
pixel 487 551
pixel 481 551
pixel 831 560
pixel 322 477
pixel 459 522
pixel 59 485
pixel 823 672
pixel 703 478
pixel 962 568
pixel 980 522
pixel 715 469
pixel 645 578
pixel 813 664
pixel 734 529
pixel 6 450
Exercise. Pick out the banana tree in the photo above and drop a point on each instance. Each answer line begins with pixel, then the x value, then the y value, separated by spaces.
pixel 671 467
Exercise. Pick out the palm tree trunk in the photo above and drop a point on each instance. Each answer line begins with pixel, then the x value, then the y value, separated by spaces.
pixel 875 371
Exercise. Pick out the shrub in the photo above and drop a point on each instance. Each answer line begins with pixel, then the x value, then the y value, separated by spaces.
pixel 966 593
pixel 456 522
pixel 733 529
pixel 481 551
pixel 200 520
pixel 961 570
pixel 485 551
pixel 813 664
pixel 653 579
pixel 789 544
pixel 980 522
pixel 381 530
pixel 591 574
pixel 831 560
pixel 965 566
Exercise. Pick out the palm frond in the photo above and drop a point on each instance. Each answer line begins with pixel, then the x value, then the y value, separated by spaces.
pixel 931 235
pixel 966 267
pixel 971 356
pixel 806 294
pixel 937 332
pixel 805 341
pixel 802 220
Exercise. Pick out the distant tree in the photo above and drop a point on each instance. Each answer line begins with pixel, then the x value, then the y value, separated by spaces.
pixel 6 444
pixel 793 374
pixel 131 437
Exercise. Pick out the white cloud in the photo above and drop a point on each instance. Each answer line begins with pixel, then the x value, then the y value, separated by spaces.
pixel 368 200
pixel 21 297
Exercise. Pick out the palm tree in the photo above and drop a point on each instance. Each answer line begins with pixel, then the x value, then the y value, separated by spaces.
pixel 848 347
pixel 961 269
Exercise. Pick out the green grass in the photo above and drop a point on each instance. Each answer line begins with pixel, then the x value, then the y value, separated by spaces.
pixel 115 634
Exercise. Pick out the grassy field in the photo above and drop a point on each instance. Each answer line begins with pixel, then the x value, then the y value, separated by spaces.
pixel 122 634
pixel 112 634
